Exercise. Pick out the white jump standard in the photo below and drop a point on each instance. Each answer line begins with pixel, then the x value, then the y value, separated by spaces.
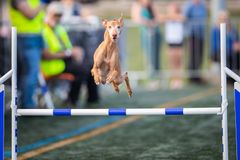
pixel 13 74
pixel 219 111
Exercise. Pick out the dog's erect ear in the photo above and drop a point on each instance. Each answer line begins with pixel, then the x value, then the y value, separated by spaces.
pixel 120 20
pixel 104 23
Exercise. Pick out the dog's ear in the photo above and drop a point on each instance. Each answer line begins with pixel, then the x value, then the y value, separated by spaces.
pixel 120 20
pixel 104 23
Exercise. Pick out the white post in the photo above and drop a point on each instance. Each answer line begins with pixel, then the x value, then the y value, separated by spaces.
pixel 14 93
pixel 224 92
pixel 2 121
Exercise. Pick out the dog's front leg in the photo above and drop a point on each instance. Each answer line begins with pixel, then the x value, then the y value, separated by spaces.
pixel 114 67
pixel 112 76
pixel 95 74
pixel 115 86
pixel 98 60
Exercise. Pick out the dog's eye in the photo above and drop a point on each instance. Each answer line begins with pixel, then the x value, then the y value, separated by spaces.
pixel 118 27
pixel 109 27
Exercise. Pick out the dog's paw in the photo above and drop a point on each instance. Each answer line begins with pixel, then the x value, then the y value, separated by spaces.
pixel 109 79
pixel 103 82
pixel 130 93
pixel 97 80
pixel 117 89
pixel 92 72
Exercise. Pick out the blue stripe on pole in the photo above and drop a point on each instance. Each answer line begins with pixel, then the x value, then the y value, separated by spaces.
pixel 16 100
pixel 237 114
pixel 174 111
pixel 117 112
pixel 62 112
pixel 2 124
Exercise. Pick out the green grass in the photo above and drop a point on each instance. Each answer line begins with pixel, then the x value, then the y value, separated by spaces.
pixel 134 50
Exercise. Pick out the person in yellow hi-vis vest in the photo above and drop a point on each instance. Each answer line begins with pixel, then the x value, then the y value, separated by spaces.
pixel 59 55
pixel 28 16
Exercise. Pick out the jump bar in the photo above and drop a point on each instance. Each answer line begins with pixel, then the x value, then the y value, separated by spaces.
pixel 118 111
pixel 6 76
pixel 232 74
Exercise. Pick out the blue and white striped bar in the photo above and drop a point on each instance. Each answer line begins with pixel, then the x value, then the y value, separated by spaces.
pixel 118 111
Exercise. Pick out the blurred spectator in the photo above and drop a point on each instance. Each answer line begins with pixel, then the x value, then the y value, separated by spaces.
pixel 85 33
pixel 71 11
pixel 232 43
pixel 27 16
pixel 174 38
pixel 59 56
pixel 145 14
pixel 4 41
pixel 195 12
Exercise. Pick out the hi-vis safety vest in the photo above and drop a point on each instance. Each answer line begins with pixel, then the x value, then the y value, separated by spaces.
pixel 25 25
pixel 56 40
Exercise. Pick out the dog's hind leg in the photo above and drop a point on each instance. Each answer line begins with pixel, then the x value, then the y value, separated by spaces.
pixel 128 87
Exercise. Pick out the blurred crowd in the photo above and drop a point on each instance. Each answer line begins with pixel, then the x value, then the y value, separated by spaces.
pixel 46 47
pixel 184 24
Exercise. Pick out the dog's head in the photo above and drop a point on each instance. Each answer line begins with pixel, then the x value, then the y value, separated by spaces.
pixel 113 27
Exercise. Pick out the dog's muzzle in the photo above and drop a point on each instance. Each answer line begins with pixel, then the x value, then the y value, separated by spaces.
pixel 114 37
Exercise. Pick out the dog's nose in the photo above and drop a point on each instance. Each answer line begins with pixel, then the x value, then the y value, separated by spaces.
pixel 114 36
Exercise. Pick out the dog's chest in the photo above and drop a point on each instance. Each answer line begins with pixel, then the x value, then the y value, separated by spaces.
pixel 109 55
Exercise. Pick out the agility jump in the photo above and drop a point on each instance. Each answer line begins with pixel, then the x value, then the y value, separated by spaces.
pixel 221 110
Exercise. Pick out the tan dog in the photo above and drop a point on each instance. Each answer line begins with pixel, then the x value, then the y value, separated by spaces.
pixel 106 67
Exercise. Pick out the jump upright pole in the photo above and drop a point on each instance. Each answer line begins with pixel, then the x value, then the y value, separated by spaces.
pixel 13 74
pixel 237 117
pixel 224 92
pixel 2 122
pixel 14 92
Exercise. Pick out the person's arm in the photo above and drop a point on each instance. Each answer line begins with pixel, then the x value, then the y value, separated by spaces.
pixel 26 10
pixel 186 9
pixel 236 44
pixel 48 56
pixel 136 15
pixel 157 16
pixel 176 17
